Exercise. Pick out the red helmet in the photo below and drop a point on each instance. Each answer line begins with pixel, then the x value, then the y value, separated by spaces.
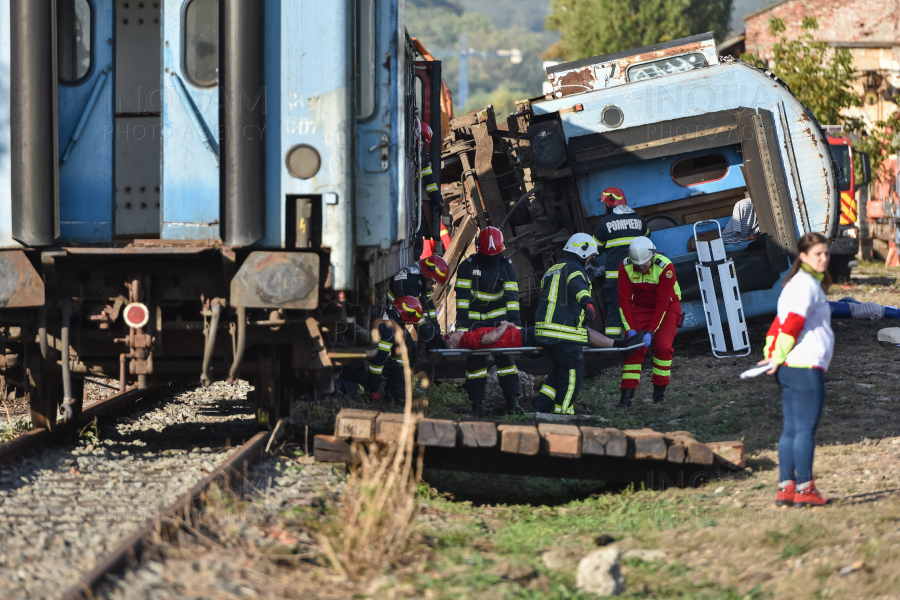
pixel 409 308
pixel 426 132
pixel 613 196
pixel 489 241
pixel 435 268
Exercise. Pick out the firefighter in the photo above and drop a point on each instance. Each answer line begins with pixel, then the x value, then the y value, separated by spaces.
pixel 434 228
pixel 563 309
pixel 649 299
pixel 487 293
pixel 614 233
pixel 408 311
pixel 418 279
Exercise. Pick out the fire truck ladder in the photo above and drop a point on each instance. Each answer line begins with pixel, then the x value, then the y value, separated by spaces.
pixel 710 254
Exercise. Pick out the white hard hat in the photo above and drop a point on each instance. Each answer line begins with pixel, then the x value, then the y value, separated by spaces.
pixel 582 244
pixel 641 250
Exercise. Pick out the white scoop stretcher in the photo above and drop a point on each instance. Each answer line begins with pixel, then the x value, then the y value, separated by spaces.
pixel 529 350
pixel 711 254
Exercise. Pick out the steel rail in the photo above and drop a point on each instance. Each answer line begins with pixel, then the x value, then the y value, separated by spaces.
pixel 39 436
pixel 132 547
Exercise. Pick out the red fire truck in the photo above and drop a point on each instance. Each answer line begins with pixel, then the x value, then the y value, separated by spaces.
pixel 845 247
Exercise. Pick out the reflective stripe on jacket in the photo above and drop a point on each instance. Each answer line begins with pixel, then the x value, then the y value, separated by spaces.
pixel 565 289
pixel 656 289
pixel 614 233
pixel 486 292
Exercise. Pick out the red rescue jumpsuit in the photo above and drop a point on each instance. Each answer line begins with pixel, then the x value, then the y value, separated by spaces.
pixel 650 302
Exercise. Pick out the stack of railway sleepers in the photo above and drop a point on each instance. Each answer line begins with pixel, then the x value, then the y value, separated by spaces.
pixel 537 448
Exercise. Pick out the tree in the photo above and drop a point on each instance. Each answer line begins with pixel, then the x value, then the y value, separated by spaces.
pixel 594 27
pixel 820 76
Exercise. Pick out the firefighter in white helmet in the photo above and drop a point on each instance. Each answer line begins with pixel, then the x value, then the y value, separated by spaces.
pixel 649 299
pixel 564 307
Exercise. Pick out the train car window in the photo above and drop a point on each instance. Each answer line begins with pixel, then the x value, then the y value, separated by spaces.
pixel 201 42
pixel 74 51
pixel 666 66
pixel 365 58
pixel 699 169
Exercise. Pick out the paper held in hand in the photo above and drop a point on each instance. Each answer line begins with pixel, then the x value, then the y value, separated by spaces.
pixel 755 371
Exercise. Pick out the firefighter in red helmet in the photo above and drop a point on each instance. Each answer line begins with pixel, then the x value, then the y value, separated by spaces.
pixel 615 231
pixel 433 228
pixel 487 293
pixel 408 312
pixel 418 279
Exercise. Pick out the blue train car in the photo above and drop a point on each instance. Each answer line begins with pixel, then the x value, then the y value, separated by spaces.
pixel 201 187
pixel 684 133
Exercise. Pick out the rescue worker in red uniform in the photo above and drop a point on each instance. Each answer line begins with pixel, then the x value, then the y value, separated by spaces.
pixel 487 293
pixel 649 299
pixel 614 233
pixel 406 311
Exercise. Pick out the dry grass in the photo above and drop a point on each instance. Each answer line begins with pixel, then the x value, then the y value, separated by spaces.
pixel 378 507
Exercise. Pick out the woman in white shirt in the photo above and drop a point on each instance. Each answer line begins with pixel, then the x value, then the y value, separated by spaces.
pixel 799 346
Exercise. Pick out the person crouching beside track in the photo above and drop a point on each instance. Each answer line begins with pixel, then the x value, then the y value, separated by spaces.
pixel 565 304
pixel 406 311
pixel 649 299
pixel 507 335
pixel 799 346
pixel 487 293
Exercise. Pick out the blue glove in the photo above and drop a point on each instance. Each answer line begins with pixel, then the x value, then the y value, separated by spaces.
pixel 647 337
pixel 631 332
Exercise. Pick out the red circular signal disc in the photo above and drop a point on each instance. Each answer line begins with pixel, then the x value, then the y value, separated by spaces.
pixel 136 315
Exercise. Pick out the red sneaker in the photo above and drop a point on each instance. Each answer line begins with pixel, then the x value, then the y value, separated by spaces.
pixel 809 496
pixel 785 495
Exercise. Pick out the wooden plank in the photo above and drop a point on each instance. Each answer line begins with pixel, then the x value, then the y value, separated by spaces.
pixel 728 454
pixel 676 452
pixel 437 432
pixel 389 425
pixel 355 424
pixel 519 439
pixel 328 448
pixel 593 440
pixel 560 440
pixel 698 454
pixel 478 434
pixel 646 444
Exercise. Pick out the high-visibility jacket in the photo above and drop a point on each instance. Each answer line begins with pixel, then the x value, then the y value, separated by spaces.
pixel 657 290
pixel 801 334
pixel 487 292
pixel 565 289
pixel 614 233
pixel 410 282
pixel 434 208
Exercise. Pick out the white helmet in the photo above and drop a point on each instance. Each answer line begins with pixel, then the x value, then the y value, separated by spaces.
pixel 641 250
pixel 582 244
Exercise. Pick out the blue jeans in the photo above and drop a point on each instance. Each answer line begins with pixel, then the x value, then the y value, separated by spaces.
pixel 802 397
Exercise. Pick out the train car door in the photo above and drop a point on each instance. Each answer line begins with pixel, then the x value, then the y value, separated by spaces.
pixel 190 119
pixel 86 130
pixel 138 106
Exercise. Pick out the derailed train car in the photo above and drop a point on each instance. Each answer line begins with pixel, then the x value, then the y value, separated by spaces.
pixel 201 188
pixel 683 132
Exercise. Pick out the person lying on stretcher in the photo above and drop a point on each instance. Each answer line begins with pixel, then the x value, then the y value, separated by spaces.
pixel 507 335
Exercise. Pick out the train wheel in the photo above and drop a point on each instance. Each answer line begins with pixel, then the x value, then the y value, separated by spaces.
pixel 268 387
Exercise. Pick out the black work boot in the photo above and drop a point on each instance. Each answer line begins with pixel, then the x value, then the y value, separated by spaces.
pixel 478 408
pixel 513 406
pixel 627 398
pixel 659 394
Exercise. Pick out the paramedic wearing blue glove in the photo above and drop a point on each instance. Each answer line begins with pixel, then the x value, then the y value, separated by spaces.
pixel 799 347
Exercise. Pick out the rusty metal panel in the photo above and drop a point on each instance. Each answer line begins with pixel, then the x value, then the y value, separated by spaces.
pixel 20 284
pixel 277 280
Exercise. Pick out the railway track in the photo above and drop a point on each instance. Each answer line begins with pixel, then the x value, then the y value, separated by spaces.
pixel 71 509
